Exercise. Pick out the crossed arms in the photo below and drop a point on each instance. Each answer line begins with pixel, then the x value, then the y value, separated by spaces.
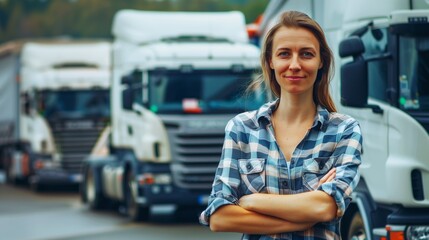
pixel 270 213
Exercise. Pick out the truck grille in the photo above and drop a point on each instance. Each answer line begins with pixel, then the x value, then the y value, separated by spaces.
pixel 195 155
pixel 74 141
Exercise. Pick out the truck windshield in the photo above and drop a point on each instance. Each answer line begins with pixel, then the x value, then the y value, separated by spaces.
pixel 74 103
pixel 203 91
pixel 414 73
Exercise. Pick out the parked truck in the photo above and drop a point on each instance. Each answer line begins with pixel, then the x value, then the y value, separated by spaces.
pixel 55 103
pixel 382 79
pixel 175 85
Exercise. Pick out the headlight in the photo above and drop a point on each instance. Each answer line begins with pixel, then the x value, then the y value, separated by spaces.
pixel 45 162
pixel 149 179
pixel 418 233
pixel 163 179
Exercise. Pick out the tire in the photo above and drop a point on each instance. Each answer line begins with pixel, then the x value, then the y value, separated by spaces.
pixel 356 228
pixel 10 179
pixel 36 187
pixel 91 191
pixel 135 211
pixel 82 188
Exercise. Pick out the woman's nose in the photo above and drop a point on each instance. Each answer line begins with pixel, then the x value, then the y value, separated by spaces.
pixel 294 64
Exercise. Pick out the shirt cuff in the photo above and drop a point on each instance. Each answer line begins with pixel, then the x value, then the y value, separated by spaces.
pixel 341 200
pixel 215 203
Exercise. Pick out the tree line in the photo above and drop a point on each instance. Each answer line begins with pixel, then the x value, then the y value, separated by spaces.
pixel 93 18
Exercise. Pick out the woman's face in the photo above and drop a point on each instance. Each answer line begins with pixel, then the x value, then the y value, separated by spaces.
pixel 295 60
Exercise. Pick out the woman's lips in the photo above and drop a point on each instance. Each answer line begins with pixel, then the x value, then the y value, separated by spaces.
pixel 294 78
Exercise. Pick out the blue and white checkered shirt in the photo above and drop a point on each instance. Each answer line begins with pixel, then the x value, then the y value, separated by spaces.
pixel 252 162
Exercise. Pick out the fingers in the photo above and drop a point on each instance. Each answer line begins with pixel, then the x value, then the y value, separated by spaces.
pixel 330 176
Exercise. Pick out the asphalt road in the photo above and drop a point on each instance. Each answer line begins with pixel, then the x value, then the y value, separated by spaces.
pixel 59 214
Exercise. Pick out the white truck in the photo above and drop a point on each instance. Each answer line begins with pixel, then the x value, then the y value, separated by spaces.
pixel 382 57
pixel 55 103
pixel 178 77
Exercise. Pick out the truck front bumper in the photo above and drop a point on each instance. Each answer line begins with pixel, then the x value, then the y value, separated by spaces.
pixel 170 194
pixel 156 185
pixel 55 177
pixel 410 223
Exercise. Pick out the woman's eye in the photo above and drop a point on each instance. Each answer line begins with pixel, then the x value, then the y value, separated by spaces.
pixel 283 54
pixel 308 54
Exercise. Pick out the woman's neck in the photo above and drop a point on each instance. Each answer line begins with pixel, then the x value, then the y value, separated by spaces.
pixel 295 109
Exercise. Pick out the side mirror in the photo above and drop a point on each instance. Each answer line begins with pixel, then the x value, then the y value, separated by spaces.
pixel 127 93
pixel 354 74
pixel 133 88
pixel 127 80
pixel 26 103
pixel 127 98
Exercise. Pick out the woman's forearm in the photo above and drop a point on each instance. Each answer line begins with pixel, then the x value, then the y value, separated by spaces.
pixel 315 206
pixel 233 218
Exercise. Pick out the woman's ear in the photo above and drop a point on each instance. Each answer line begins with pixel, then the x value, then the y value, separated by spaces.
pixel 271 64
pixel 320 65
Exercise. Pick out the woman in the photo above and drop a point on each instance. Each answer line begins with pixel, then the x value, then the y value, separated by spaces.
pixel 288 169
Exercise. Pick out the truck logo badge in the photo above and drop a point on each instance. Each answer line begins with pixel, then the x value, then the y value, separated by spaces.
pixel 207 124
pixel 79 125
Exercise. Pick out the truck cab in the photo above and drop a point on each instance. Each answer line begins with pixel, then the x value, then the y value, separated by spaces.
pixel 174 90
pixel 390 99
pixel 381 79
pixel 63 96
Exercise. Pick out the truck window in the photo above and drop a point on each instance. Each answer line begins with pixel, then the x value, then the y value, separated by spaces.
pixel 217 91
pixel 376 43
pixel 74 103
pixel 414 73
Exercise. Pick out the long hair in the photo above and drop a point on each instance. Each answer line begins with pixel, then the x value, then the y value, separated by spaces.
pixel 321 95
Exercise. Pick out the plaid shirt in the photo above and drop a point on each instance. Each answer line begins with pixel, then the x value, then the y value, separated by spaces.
pixel 252 162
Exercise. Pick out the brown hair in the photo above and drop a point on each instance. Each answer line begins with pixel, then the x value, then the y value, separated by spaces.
pixel 296 19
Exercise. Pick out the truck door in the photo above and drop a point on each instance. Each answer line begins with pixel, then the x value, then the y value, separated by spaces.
pixel 131 121
pixel 374 125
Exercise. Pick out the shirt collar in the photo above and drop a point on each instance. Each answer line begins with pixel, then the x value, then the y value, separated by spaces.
pixel 264 114
pixel 321 118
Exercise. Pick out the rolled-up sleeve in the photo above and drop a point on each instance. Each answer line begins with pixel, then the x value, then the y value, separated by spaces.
pixel 227 178
pixel 348 150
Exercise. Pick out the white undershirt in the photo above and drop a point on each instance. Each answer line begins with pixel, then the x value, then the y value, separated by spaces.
pixel 288 167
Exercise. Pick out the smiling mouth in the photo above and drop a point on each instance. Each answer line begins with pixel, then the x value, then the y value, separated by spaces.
pixel 294 78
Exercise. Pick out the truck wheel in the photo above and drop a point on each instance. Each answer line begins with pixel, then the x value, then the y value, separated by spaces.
pixel 9 172
pixel 36 187
pixel 356 229
pixel 92 193
pixel 82 188
pixel 134 210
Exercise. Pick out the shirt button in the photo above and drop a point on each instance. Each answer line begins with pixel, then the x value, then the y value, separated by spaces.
pixel 249 167
pixel 285 184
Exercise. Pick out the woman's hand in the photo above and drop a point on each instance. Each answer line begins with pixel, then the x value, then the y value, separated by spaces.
pixel 247 201
pixel 328 177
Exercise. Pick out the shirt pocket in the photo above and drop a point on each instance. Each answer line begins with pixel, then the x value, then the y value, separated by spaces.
pixel 252 173
pixel 314 169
